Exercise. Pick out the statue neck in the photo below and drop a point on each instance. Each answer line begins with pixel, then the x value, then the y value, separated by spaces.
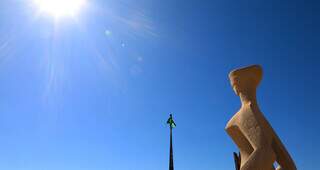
pixel 248 98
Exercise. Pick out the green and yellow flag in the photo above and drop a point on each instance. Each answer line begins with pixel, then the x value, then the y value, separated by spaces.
pixel 171 122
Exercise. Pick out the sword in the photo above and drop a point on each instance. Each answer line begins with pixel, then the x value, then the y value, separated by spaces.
pixel 237 160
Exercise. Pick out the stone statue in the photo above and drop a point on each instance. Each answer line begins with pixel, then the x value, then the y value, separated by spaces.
pixel 259 145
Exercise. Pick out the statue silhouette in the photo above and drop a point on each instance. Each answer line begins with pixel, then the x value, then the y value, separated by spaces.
pixel 259 145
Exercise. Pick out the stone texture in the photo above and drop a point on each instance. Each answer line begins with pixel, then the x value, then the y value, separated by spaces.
pixel 259 145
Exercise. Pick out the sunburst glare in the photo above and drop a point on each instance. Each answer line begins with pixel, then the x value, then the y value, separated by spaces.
pixel 60 8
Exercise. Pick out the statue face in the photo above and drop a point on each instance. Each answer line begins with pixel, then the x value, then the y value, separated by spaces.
pixel 245 80
pixel 236 90
pixel 235 85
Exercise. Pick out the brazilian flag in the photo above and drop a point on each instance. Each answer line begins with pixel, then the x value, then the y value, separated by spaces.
pixel 171 122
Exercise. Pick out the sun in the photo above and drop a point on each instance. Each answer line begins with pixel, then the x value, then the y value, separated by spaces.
pixel 60 8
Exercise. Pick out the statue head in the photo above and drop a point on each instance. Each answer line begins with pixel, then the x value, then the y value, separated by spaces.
pixel 245 80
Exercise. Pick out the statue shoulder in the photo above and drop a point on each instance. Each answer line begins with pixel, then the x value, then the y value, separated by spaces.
pixel 233 121
pixel 245 116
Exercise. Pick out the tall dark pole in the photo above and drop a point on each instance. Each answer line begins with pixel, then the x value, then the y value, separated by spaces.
pixel 171 151
pixel 172 125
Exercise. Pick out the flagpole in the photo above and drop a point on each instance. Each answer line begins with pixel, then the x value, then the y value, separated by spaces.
pixel 171 125
pixel 171 151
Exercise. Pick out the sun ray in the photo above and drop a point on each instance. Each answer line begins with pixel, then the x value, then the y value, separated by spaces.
pixel 60 8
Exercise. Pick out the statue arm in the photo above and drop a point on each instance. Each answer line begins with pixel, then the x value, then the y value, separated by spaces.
pixel 261 156
pixel 283 158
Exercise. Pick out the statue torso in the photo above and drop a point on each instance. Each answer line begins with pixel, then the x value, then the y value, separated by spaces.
pixel 250 119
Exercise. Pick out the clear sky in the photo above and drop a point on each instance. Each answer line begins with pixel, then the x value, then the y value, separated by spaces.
pixel 93 92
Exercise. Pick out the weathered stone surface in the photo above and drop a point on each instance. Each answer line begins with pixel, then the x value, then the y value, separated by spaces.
pixel 259 145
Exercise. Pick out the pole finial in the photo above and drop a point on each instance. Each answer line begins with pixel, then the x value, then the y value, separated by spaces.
pixel 171 122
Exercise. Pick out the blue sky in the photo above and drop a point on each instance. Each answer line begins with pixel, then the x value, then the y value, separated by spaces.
pixel 94 92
